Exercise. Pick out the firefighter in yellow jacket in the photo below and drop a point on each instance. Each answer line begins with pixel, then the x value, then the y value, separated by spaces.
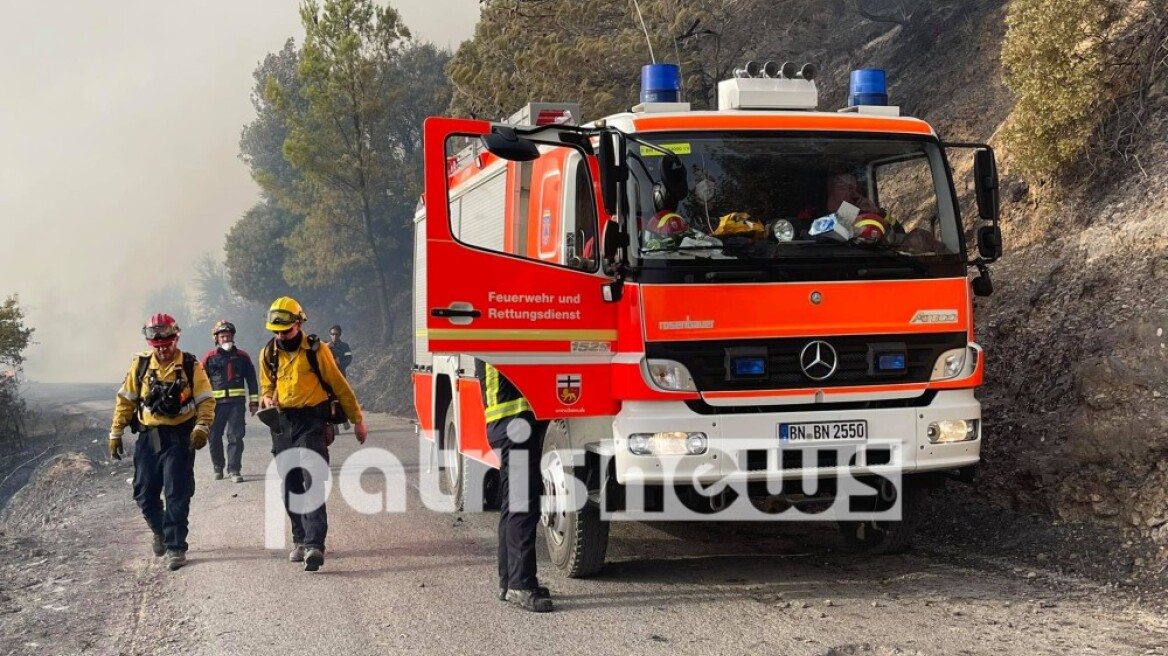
pixel 302 380
pixel 167 400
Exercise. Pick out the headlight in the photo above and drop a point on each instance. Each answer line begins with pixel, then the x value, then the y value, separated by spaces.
pixel 953 430
pixel 783 230
pixel 950 364
pixel 670 375
pixel 673 443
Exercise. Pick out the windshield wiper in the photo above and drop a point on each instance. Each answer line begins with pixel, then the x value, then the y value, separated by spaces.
pixel 891 250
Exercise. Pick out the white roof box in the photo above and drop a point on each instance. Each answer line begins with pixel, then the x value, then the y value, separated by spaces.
pixel 767 93
pixel 541 113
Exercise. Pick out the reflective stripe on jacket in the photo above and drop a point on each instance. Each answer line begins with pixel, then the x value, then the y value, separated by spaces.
pixel 501 399
pixel 232 375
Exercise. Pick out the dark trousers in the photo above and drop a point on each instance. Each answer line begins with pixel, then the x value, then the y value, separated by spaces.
pixel 229 419
pixel 305 429
pixel 167 473
pixel 519 508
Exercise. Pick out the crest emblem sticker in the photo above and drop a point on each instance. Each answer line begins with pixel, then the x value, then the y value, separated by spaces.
pixel 568 388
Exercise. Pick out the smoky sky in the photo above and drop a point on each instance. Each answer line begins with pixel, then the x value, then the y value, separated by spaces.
pixel 119 168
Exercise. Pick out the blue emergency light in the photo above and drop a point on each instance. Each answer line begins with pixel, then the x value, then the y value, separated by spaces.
pixel 660 83
pixel 868 87
pixel 891 362
pixel 750 366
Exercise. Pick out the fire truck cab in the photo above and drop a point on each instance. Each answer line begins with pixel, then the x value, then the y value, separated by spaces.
pixel 738 308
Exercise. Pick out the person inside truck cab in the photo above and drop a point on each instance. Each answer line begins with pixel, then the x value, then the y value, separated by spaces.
pixel 666 227
pixel 845 187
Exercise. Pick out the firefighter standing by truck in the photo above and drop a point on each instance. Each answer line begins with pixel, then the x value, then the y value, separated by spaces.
pixel 233 379
pixel 167 400
pixel 303 382
pixel 513 431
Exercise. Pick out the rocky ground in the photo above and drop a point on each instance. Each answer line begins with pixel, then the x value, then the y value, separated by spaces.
pixel 76 579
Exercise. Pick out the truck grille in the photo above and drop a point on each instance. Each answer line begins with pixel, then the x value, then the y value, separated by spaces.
pixel 709 361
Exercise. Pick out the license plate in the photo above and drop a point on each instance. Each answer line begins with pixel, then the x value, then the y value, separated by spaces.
pixel 818 432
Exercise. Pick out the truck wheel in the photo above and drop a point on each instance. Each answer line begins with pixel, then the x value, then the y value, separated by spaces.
pixel 883 537
pixel 451 478
pixel 577 539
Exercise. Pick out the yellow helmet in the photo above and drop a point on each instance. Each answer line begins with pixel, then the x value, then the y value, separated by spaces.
pixel 285 312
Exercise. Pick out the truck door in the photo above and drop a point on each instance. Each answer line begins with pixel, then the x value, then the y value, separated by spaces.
pixel 499 286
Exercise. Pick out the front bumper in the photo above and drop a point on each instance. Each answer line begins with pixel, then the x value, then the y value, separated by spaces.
pixel 745 447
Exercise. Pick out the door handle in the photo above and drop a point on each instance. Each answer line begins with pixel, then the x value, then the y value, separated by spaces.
pixel 451 312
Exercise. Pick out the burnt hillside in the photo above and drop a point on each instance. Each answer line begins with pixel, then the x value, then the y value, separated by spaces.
pixel 1077 387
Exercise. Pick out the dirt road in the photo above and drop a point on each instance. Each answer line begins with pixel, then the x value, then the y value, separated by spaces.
pixel 78 577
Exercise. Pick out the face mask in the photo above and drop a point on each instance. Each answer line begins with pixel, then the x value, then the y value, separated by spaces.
pixel 290 344
pixel 227 346
pixel 703 190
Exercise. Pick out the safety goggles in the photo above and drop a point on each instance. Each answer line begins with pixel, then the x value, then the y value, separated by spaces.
pixel 282 318
pixel 160 333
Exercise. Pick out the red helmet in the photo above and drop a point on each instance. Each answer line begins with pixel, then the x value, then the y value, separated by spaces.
pixel 870 227
pixel 667 223
pixel 161 330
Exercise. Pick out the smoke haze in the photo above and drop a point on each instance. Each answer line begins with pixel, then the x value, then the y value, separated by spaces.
pixel 119 143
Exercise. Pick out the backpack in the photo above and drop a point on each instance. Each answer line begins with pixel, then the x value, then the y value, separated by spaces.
pixel 272 364
pixel 188 365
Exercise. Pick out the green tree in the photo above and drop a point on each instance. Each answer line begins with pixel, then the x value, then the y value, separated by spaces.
pixel 592 52
pixel 275 94
pixel 346 76
pixel 14 339
pixel 255 252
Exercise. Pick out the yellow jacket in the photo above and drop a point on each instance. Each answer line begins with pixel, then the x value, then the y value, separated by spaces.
pixel 296 386
pixel 198 398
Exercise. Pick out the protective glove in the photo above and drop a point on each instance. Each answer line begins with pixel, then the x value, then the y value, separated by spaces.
pixel 198 437
pixel 360 432
pixel 115 446
pixel 252 408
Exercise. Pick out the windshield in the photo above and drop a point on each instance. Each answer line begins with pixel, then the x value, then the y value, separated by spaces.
pixel 850 206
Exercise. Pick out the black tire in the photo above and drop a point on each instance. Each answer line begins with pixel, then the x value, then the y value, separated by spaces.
pixel 879 538
pixel 453 466
pixel 577 540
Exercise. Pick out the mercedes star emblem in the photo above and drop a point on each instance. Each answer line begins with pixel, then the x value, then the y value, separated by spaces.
pixel 819 360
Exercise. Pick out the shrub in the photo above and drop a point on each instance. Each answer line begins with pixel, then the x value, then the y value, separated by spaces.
pixel 1053 60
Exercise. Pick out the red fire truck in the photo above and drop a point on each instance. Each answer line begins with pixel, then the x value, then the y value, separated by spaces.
pixel 716 306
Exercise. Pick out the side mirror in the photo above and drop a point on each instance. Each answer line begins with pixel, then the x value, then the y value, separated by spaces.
pixel 989 242
pixel 983 284
pixel 504 143
pixel 985 171
pixel 611 157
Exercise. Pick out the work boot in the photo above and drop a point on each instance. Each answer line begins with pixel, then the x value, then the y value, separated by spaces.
pixel 530 600
pixel 175 559
pixel 540 591
pixel 218 474
pixel 313 559
pixel 297 553
pixel 157 546
pixel 236 477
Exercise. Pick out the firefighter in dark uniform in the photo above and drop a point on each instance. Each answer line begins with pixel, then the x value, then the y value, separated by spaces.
pixel 167 399
pixel 513 431
pixel 299 378
pixel 342 352
pixel 233 378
